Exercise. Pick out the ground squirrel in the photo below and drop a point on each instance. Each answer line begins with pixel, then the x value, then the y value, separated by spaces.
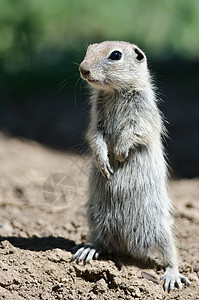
pixel 129 211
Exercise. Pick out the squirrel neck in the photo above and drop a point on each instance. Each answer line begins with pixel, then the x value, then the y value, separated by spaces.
pixel 113 94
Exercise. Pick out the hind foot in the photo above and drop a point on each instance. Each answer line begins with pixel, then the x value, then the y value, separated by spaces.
pixel 173 278
pixel 85 253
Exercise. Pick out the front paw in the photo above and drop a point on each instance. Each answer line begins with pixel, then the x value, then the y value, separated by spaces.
pixel 121 156
pixel 104 168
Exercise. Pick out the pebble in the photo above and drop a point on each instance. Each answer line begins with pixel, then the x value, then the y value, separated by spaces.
pixel 100 286
pixel 196 267
pixel 58 287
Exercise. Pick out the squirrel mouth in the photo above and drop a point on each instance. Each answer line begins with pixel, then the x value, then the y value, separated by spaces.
pixel 87 76
pixel 95 82
pixel 92 80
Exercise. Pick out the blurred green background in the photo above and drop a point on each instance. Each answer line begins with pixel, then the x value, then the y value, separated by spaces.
pixel 42 43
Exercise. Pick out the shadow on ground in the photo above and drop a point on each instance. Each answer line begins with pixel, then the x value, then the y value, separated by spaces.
pixel 40 244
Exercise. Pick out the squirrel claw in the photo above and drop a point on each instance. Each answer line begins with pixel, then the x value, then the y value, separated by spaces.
pixel 85 253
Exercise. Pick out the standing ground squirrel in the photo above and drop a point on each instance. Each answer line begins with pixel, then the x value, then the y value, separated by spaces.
pixel 129 211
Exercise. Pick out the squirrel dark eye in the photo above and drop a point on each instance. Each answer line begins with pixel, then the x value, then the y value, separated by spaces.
pixel 115 55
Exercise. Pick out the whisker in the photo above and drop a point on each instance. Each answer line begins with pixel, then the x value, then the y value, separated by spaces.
pixel 75 92
pixel 85 42
pixel 64 83
pixel 75 63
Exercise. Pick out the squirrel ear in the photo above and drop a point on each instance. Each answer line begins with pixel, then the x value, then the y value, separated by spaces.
pixel 139 54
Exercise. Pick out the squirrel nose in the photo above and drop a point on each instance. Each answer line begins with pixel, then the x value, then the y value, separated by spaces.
pixel 84 72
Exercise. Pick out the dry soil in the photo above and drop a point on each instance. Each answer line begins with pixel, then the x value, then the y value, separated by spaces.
pixel 42 197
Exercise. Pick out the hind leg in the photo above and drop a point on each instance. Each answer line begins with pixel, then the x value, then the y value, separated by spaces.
pixel 171 277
